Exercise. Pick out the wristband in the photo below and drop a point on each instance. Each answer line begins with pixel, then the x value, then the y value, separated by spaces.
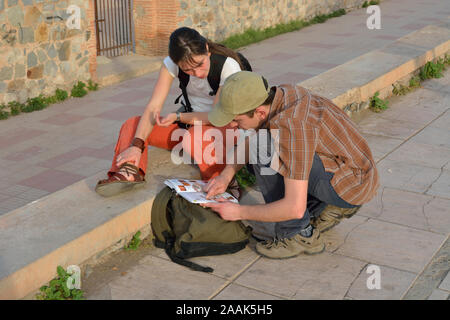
pixel 178 116
pixel 138 142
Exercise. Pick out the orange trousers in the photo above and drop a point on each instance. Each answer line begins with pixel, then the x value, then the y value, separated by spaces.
pixel 161 137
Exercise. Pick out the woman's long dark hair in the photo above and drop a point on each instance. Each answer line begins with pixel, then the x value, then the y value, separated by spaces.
pixel 186 42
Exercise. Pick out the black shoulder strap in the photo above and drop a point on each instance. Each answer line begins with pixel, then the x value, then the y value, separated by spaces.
pixel 184 80
pixel 215 71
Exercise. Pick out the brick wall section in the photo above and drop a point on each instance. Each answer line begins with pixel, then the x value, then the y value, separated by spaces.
pixel 91 44
pixel 154 22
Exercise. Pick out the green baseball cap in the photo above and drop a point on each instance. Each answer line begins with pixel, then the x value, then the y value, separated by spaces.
pixel 242 91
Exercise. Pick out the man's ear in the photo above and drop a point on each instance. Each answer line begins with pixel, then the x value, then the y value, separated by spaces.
pixel 262 112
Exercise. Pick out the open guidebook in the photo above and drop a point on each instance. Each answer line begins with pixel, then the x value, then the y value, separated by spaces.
pixel 192 191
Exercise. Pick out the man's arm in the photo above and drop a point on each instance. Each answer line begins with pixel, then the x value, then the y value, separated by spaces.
pixel 292 206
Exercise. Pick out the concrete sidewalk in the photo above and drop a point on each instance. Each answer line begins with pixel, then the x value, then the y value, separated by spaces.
pixel 46 151
pixel 404 230
pixel 51 160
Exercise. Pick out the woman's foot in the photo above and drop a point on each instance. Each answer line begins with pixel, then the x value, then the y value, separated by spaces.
pixel 125 179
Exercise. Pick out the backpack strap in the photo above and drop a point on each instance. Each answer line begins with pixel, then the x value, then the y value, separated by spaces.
pixel 215 71
pixel 183 77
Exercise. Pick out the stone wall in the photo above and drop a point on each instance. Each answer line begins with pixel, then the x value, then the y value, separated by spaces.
pixel 38 55
pixel 219 19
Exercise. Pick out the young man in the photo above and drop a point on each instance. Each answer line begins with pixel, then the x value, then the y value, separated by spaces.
pixel 325 169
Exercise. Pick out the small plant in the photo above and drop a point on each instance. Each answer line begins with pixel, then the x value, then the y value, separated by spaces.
pixel 432 70
pixel 401 90
pixel 3 114
pixel 15 107
pixel 92 86
pixel 79 90
pixel 377 104
pixel 135 242
pixel 61 95
pixel 34 104
pixel 414 82
pixel 245 178
pixel 58 290
pixel 250 36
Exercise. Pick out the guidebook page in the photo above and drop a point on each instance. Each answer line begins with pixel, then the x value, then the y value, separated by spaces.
pixel 192 191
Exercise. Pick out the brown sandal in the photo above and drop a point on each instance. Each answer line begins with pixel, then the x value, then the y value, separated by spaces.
pixel 117 182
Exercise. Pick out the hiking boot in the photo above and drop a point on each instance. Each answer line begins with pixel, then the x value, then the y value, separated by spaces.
pixel 331 216
pixel 288 248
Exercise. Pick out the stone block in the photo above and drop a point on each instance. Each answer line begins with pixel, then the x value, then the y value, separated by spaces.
pixel 2 87
pixel 32 60
pixel 50 68
pixel 64 51
pixel 41 34
pixel 27 35
pixel 42 56
pixel 16 85
pixel 35 72
pixel 19 70
pixel 6 73
pixel 52 53
pixel 32 16
pixel 15 16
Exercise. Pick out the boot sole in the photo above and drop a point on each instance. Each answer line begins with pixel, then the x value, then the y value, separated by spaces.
pixel 309 253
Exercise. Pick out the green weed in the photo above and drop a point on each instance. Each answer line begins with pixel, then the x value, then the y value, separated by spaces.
pixel 3 114
pixel 432 70
pixel 252 35
pixel 57 288
pixel 377 104
pixel 370 3
pixel 79 90
pixel 135 242
pixel 92 86
pixel 34 104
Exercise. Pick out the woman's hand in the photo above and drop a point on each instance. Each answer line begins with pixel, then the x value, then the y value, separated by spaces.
pixel 165 121
pixel 130 155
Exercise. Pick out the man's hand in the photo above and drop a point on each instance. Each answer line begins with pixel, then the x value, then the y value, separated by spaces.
pixel 217 186
pixel 130 155
pixel 226 209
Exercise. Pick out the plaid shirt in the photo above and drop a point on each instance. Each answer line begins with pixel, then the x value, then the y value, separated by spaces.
pixel 311 124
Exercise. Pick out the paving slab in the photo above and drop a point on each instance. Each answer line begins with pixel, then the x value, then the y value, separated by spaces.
pixel 410 209
pixel 406 176
pixel 439 295
pixel 238 292
pixel 158 279
pixel 323 276
pixel 393 284
pixel 373 242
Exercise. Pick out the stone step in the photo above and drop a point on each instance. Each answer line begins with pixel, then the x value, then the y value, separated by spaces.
pixel 114 70
pixel 75 224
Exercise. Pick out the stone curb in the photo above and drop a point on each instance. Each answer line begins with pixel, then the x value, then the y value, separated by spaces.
pixel 75 224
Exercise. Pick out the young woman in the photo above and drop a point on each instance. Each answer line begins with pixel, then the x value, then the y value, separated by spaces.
pixel 191 53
